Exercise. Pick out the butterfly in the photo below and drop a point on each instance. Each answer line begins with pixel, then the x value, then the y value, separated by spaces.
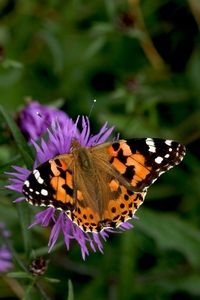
pixel 102 186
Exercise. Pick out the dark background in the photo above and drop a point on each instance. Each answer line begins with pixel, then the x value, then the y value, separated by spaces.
pixel 141 61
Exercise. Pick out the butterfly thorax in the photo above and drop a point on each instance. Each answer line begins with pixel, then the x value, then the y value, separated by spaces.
pixel 88 179
pixel 82 156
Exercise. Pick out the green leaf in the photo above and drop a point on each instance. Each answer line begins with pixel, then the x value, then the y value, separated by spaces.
pixel 21 143
pixel 19 275
pixel 24 217
pixel 52 280
pixel 170 232
pixel 189 283
pixel 70 291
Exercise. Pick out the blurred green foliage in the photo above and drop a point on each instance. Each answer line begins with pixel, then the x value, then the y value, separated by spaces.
pixel 141 61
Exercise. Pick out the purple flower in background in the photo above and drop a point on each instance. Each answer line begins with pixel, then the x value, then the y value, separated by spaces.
pixel 34 119
pixel 58 141
pixel 5 259
pixel 5 253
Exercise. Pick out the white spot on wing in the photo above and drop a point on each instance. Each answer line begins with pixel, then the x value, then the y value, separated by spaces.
pixel 44 192
pixel 27 183
pixel 168 142
pixel 36 173
pixel 39 179
pixel 158 159
pixel 151 145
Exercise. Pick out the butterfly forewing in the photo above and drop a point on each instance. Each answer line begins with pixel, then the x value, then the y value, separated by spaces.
pixel 51 185
pixel 142 161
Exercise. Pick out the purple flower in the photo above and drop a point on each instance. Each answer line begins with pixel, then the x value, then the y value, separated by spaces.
pixel 5 253
pixel 59 142
pixel 34 119
pixel 5 259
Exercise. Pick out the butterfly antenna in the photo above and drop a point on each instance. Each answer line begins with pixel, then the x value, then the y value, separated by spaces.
pixel 91 109
pixel 38 114
pixel 46 122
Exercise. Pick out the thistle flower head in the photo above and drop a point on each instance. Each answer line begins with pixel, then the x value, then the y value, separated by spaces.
pixel 35 118
pixel 58 142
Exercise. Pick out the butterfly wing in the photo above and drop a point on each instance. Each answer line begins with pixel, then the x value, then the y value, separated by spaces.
pixel 132 165
pixel 51 184
pixel 118 204
pixel 141 161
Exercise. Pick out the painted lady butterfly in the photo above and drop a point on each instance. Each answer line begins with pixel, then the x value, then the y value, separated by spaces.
pixel 102 186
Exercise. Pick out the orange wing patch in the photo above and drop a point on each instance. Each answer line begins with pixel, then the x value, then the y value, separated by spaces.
pixel 61 182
